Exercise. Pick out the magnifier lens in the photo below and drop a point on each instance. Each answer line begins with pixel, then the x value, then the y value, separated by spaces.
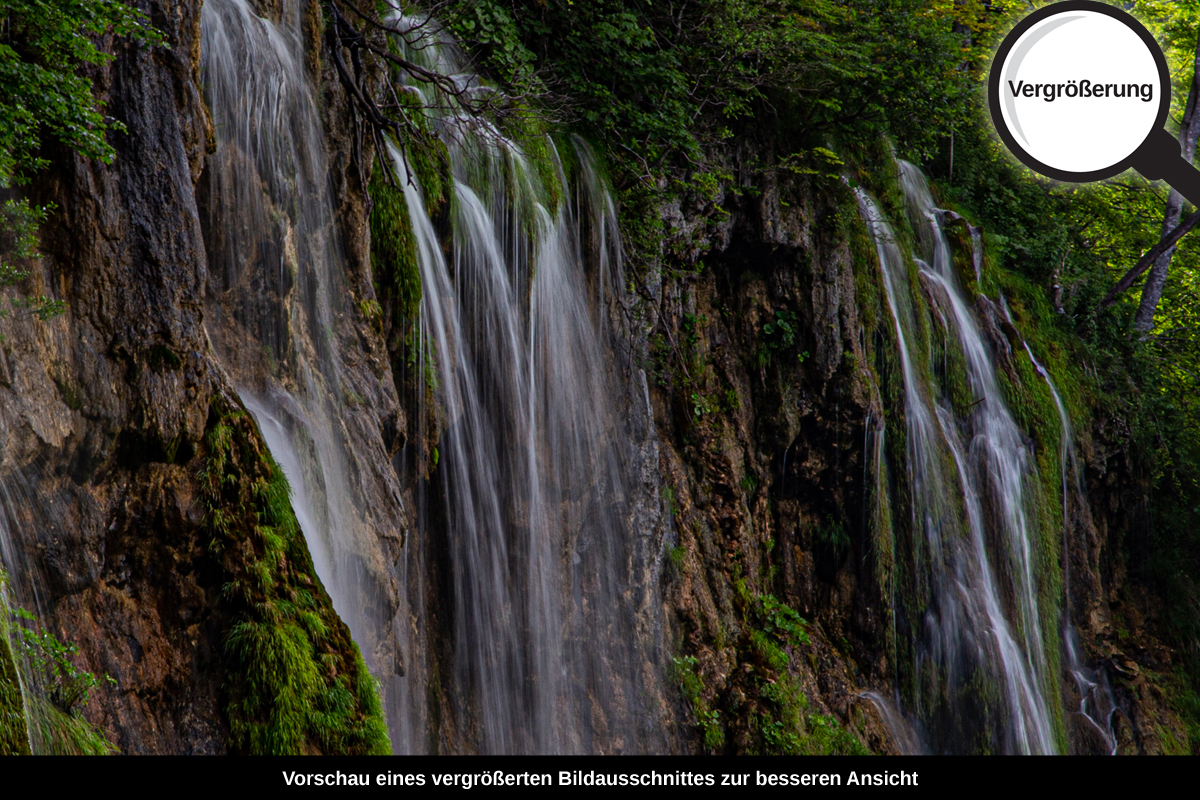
pixel 1080 91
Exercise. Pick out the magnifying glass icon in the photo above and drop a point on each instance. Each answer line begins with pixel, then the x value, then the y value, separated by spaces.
pixel 1079 92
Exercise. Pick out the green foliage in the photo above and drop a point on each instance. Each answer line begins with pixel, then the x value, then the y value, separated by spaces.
pixel 1185 701
pixel 670 499
pixel 394 250
pixel 14 727
pixel 1053 251
pixel 18 236
pixel 778 335
pixel 780 621
pixel 43 44
pixel 64 684
pixel 58 690
pixel 527 129
pixel 714 734
pixel 61 734
pixel 496 37
pixel 784 723
pixel 685 675
pixel 296 682
pixel 708 720
pixel 19 223
pixel 831 534
pixel 660 84
pixel 792 730
pixel 689 329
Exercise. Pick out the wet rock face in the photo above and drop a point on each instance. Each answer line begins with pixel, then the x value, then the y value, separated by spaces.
pixel 104 408
pixel 760 399
pixel 103 411
pixel 749 397
pixel 762 372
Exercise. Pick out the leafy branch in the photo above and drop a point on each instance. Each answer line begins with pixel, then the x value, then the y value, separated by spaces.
pixel 364 43
pixel 67 686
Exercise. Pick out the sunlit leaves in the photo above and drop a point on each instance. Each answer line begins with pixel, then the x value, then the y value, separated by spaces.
pixel 663 82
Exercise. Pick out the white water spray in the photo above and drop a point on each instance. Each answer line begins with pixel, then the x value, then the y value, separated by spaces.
pixel 276 310
pixel 973 524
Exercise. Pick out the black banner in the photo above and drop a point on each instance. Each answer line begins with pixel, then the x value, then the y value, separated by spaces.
pixel 548 776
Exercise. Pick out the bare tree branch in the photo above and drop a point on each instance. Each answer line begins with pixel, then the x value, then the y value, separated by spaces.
pixel 1147 260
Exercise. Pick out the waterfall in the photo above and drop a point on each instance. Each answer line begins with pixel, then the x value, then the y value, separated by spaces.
pixel 981 677
pixel 534 450
pixel 1096 702
pixel 275 312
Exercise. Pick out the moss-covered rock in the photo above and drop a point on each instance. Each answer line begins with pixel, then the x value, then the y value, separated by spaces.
pixel 14 728
pixel 394 252
pixel 295 682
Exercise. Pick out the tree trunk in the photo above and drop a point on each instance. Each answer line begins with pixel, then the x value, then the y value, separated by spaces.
pixel 1152 290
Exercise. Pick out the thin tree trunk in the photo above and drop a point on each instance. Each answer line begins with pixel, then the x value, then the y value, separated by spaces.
pixel 1147 260
pixel 1152 290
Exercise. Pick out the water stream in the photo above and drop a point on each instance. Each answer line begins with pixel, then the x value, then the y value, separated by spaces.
pixel 527 508
pixel 534 451
pixel 1096 702
pixel 545 633
pixel 980 678
pixel 528 496
pixel 276 309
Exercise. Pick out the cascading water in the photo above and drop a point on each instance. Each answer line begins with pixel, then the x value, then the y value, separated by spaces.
pixel 981 677
pixel 1096 703
pixel 275 309
pixel 532 473
pixel 547 650
pixel 548 647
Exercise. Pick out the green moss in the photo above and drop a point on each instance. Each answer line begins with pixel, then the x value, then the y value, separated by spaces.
pixel 426 155
pixel 394 251
pixel 67 389
pixel 883 536
pixel 295 681
pixel 942 369
pixel 527 130
pixel 44 708
pixel 1032 405
pixel 14 728
pixel 784 724
pixel 1184 699
pixel 691 686
pixel 59 733
pixel 865 259
pixel 831 534
pixel 950 366
pixel 642 229
pixel 778 336
pixel 669 498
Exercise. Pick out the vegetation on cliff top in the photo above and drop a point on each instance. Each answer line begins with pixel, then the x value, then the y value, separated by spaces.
pixel 659 84
pixel 43 45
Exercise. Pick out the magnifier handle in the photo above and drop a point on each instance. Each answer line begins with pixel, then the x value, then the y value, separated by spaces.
pixel 1159 159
